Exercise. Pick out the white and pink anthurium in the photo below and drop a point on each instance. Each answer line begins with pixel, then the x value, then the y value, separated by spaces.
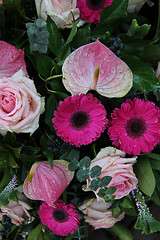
pixel 45 183
pixel 95 67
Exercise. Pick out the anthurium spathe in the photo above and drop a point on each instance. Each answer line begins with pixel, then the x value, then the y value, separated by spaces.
pixel 46 183
pixel 95 67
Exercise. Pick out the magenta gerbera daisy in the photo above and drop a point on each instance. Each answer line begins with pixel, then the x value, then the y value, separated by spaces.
pixel 90 10
pixel 60 218
pixel 80 119
pixel 135 127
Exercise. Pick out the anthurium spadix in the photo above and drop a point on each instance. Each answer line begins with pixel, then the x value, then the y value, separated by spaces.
pixel 95 67
pixel 45 183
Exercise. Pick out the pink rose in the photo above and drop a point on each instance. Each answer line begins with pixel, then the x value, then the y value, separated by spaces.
pixel 11 60
pixel 45 183
pixel 17 211
pixel 20 104
pixel 97 214
pixel 60 11
pixel 114 164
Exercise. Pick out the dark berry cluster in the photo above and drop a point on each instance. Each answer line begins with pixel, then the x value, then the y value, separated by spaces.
pixel 117 45
pixel 5 225
pixel 54 143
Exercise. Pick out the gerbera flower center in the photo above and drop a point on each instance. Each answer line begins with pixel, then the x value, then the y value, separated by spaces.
pixel 80 119
pixel 136 127
pixel 60 215
pixel 95 4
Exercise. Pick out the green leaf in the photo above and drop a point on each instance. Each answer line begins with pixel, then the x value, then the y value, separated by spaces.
pixel 73 165
pixel 82 175
pixel 85 162
pixel 51 105
pixel 139 31
pixel 2 21
pixel 38 35
pixel 4 157
pixel 42 63
pixel 56 40
pixel 82 37
pixel 74 155
pixel 151 54
pixel 116 211
pixel 95 171
pixel 102 192
pixel 7 192
pixel 144 173
pixel 48 153
pixel 94 184
pixel 39 233
pixel 144 78
pixel 111 190
pixel 122 232
pixel 110 18
pixel 6 177
pixel 105 181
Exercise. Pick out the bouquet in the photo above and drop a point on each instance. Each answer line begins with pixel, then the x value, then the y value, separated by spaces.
pixel 79 119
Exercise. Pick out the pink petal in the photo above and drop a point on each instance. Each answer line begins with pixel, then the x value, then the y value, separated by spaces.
pixel 80 71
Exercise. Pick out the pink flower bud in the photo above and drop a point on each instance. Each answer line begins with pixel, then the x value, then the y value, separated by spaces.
pixel 47 184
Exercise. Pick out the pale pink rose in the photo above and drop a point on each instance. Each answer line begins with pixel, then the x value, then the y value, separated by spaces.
pixel 11 60
pixel 114 164
pixel 45 183
pixel 0 3
pixel 97 214
pixel 20 104
pixel 60 11
pixel 17 211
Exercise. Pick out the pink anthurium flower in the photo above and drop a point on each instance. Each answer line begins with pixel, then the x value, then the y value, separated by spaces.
pixel 46 183
pixel 95 67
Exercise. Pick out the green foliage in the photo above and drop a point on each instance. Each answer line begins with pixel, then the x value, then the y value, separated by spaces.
pixel 144 78
pixel 38 35
pixel 39 233
pixel 144 173
pixel 122 232
pixel 139 31
pixel 110 19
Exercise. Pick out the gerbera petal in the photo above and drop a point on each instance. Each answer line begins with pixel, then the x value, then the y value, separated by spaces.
pixel 141 132
pixel 59 225
pixel 85 122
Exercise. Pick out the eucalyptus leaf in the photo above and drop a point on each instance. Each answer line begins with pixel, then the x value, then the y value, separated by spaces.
pixel 73 165
pixel 94 184
pixel 105 181
pixel 85 162
pixel 38 35
pixel 95 171
pixel 74 155
pixel 82 175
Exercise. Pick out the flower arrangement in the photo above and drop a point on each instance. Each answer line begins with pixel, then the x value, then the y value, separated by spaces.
pixel 79 119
